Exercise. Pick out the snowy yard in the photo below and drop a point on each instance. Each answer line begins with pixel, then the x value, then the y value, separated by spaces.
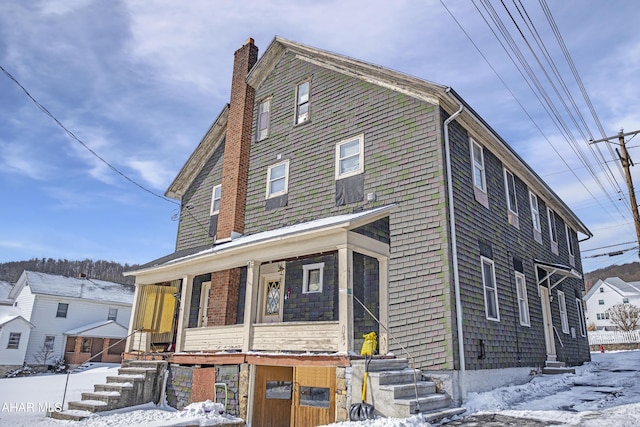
pixel 603 392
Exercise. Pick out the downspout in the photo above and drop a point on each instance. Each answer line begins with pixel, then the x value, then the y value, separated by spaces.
pixel 462 388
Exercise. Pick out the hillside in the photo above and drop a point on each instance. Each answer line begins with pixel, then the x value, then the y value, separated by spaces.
pixel 103 270
pixel 628 272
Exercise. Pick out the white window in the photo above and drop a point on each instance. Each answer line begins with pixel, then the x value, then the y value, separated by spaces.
pixel 302 102
pixel 14 341
pixel 312 278
pixel 277 179
pixel 553 233
pixel 535 212
pixel 350 157
pixel 510 186
pixel 62 309
pixel 600 302
pixel 601 289
pixel 113 314
pixel 583 322
pixel 625 300
pixel 49 342
pixel 263 119
pixel 490 291
pixel 570 247
pixel 563 312
pixel 477 158
pixel 215 199
pixel 523 303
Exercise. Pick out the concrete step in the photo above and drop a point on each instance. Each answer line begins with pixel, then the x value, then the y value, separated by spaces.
pixel 69 415
pixel 404 391
pixel 111 398
pixel 135 371
pixel 119 387
pixel 396 377
pixel 143 363
pixel 89 406
pixel 125 379
pixel 554 364
pixel 558 371
pixel 377 365
pixel 433 417
pixel 429 403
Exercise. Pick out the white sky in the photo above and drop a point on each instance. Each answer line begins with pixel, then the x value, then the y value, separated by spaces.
pixel 140 82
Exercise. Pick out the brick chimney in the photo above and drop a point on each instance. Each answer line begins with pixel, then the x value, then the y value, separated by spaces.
pixel 235 167
pixel 223 295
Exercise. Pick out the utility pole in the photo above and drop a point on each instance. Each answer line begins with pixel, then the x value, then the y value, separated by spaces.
pixel 626 160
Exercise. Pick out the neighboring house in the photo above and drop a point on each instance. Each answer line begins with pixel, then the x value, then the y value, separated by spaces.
pixel 604 295
pixel 328 182
pixel 14 337
pixel 5 288
pixel 60 307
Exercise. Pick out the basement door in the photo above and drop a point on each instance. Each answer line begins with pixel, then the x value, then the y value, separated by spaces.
pixel 272 396
pixel 314 400
pixel 548 324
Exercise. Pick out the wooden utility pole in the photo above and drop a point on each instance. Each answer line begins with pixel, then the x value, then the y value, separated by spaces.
pixel 626 161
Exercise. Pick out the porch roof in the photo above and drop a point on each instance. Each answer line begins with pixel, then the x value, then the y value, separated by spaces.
pixel 563 270
pixel 101 329
pixel 288 235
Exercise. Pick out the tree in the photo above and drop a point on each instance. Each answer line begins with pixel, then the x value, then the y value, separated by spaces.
pixel 44 355
pixel 624 316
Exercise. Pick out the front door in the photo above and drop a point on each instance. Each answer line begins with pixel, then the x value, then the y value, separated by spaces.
pixel 271 286
pixel 548 323
pixel 314 396
pixel 272 397
pixel 204 304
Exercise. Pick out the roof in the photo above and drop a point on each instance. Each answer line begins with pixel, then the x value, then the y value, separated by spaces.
pixel 625 289
pixel 8 314
pixel 73 287
pixel 5 288
pixel 348 221
pixel 102 329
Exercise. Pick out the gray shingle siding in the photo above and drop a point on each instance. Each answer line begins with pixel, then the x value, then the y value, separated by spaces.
pixel 506 343
pixel 403 165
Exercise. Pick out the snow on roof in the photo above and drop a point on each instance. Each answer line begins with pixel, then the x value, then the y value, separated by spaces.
pixel 83 288
pixel 628 288
pixel 8 313
pixel 321 223
pixel 5 288
pixel 103 328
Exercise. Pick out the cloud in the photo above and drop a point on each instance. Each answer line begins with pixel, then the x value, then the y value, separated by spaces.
pixel 152 172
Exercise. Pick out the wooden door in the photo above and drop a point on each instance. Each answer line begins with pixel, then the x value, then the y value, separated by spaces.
pixel 272 396
pixel 314 396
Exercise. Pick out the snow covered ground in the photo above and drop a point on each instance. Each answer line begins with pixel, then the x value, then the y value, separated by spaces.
pixel 603 392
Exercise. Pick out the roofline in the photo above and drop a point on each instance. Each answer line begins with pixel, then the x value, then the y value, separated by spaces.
pixel 209 142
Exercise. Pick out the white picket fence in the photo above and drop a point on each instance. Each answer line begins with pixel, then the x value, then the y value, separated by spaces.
pixel 613 337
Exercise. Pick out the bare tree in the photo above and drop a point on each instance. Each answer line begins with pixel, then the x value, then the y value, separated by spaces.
pixel 44 355
pixel 624 316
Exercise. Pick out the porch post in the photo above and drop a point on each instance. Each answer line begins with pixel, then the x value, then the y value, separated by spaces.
pixel 345 298
pixel 185 310
pixel 383 341
pixel 250 303
pixel 132 320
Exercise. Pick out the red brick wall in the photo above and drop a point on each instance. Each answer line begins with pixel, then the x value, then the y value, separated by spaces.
pixel 223 297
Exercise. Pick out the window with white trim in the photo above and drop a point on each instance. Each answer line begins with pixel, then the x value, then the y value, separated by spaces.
pixel 490 291
pixel 553 232
pixel 510 188
pixel 312 278
pixel 477 158
pixel 625 300
pixel 535 212
pixel 278 179
pixel 563 312
pixel 523 303
pixel 570 246
pixel 350 157
pixel 113 314
pixel 302 102
pixel 14 341
pixel 63 308
pixel 581 319
pixel 263 119
pixel 49 342
pixel 215 199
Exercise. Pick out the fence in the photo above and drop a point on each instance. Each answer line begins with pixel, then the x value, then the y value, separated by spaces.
pixel 613 337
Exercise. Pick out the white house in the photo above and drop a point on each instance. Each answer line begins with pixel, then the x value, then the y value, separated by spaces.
pixel 57 306
pixel 604 295
pixel 5 288
pixel 14 336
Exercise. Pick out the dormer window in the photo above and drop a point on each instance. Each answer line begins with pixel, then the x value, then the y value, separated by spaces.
pixel 263 119
pixel 215 199
pixel 302 102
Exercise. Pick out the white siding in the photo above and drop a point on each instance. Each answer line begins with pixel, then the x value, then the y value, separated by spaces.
pixel 13 356
pixel 610 298
pixel 24 301
pixel 80 313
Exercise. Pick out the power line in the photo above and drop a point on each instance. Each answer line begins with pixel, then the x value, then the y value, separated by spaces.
pixel 74 137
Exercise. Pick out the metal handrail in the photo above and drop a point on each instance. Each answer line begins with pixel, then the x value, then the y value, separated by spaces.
pixel 413 364
pixel 64 396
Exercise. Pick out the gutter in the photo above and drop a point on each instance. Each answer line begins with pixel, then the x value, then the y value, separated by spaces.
pixel 462 387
